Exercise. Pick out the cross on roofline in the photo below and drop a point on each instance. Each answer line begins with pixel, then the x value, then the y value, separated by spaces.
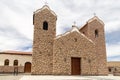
pixel 94 14
pixel 46 3
pixel 74 23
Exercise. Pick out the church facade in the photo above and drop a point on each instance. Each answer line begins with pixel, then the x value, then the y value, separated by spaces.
pixel 79 51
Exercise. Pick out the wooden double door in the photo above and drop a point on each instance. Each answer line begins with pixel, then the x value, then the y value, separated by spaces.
pixel 75 66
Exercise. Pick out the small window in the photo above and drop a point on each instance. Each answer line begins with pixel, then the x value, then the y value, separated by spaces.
pixel 15 62
pixel 96 33
pixel 45 25
pixel 109 69
pixel 75 39
pixel 6 63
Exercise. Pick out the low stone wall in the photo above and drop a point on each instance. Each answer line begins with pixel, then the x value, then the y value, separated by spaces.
pixel 116 73
pixel 10 69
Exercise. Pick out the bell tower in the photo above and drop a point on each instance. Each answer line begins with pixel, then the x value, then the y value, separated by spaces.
pixel 94 30
pixel 44 21
pixel 97 35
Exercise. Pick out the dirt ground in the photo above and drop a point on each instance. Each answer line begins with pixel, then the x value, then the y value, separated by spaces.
pixel 52 77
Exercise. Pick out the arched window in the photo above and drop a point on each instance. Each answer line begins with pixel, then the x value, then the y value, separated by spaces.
pixel 15 63
pixel 6 63
pixel 96 33
pixel 45 25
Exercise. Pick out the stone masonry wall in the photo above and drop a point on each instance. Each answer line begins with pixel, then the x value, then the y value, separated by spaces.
pixel 99 44
pixel 53 55
pixel 43 42
pixel 74 45
pixel 84 29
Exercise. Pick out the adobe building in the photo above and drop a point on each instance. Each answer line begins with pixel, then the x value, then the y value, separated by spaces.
pixel 11 61
pixel 114 67
pixel 79 51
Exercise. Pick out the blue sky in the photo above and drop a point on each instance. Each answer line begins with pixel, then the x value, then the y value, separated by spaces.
pixel 16 28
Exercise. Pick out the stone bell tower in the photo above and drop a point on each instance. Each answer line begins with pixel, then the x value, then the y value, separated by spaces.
pixel 44 21
pixel 97 34
pixel 94 30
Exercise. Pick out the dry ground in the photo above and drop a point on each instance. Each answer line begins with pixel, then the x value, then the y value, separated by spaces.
pixel 51 77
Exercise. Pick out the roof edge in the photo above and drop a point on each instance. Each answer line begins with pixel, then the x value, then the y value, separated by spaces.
pixel 45 7
pixel 95 18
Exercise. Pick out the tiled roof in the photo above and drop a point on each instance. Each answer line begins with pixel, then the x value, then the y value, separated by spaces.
pixel 16 52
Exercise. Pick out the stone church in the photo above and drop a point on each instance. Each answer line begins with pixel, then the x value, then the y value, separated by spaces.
pixel 79 51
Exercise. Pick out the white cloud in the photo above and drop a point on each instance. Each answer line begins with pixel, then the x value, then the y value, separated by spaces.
pixel 113 49
pixel 20 13
pixel 112 26
pixel 11 39
pixel 114 59
pixel 17 14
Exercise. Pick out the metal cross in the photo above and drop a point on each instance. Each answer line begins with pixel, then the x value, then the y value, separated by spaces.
pixel 46 3
pixel 94 14
pixel 74 22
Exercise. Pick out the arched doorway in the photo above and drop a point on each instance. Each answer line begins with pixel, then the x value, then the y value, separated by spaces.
pixel 27 68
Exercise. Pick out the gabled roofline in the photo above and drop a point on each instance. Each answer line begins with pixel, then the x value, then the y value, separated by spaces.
pixel 74 29
pixel 83 26
pixel 95 18
pixel 45 7
pixel 92 19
